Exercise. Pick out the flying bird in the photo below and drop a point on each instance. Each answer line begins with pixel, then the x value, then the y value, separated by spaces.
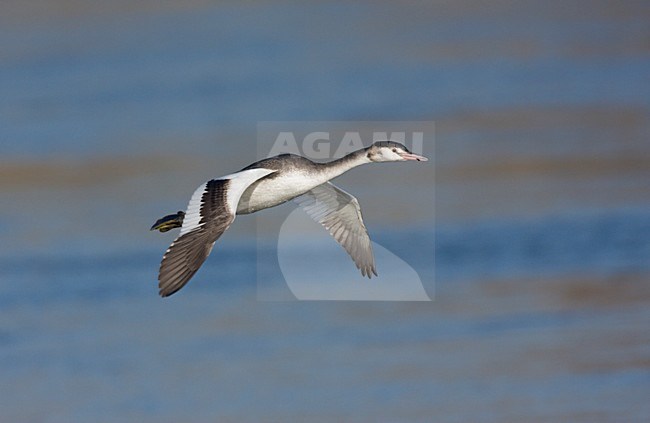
pixel 268 183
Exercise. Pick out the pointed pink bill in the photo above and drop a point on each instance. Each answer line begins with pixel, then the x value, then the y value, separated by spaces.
pixel 411 156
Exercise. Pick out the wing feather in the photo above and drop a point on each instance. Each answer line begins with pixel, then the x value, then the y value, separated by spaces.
pixel 209 214
pixel 339 212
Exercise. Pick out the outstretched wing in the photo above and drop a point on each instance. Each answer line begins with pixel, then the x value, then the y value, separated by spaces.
pixel 340 214
pixel 210 212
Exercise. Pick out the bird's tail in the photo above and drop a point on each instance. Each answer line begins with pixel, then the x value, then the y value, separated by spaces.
pixel 169 222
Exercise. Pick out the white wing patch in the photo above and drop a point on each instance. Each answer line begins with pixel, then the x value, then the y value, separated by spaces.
pixel 238 183
pixel 193 212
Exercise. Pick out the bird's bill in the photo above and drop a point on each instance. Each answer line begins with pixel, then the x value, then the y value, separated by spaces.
pixel 411 156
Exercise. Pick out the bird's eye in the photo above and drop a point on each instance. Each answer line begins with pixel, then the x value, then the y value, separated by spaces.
pixel 394 150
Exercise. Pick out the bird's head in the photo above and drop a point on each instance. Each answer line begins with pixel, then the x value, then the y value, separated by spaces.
pixel 391 151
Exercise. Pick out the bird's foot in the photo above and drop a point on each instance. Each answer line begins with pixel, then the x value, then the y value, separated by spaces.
pixel 169 222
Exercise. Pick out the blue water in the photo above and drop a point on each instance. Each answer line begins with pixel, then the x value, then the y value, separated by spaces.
pixel 101 86
pixel 587 243
pixel 537 258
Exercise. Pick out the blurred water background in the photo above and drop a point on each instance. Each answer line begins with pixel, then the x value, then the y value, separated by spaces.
pixel 112 113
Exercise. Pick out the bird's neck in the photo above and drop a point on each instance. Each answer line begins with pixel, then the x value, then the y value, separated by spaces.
pixel 339 166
